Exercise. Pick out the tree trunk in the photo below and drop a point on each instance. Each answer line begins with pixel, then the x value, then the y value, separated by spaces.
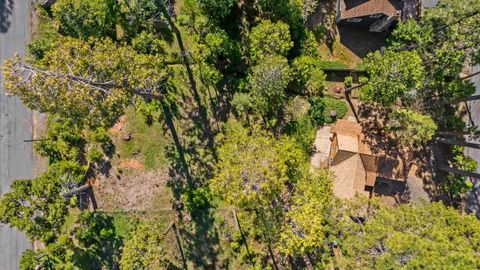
pixel 180 247
pixel 459 172
pixel 349 89
pixel 469 98
pixel 193 83
pixel 458 142
pixel 176 140
pixel 307 261
pixel 77 190
pixel 457 133
pixel 470 75
pixel 270 252
pixel 244 238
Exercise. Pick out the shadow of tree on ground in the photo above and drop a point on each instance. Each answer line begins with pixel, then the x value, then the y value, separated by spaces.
pixel 6 9
pixel 373 121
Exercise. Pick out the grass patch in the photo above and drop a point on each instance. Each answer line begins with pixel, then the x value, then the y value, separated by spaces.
pixel 333 64
pixel 147 143
pixel 338 52
pixel 124 223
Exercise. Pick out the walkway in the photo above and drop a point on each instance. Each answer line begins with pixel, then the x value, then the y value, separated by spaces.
pixel 322 147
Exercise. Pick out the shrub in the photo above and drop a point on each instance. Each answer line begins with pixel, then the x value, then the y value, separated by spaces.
pixel 148 43
pixel 197 198
pixel 455 184
pixel 45 38
pixel 300 126
pixel 296 108
pixel 268 38
pixel 332 104
pixel 319 32
pixel 308 75
pixel 321 107
pixel 317 109
pixel 303 131
pixel 348 81
pixel 216 9
pixel 310 45
pixel 86 18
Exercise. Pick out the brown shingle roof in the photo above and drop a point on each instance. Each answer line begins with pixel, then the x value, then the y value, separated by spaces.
pixel 350 137
pixel 359 8
pixel 355 166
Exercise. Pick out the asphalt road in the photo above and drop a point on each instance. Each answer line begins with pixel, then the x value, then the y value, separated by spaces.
pixel 16 157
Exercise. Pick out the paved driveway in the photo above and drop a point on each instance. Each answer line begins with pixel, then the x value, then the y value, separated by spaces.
pixel 15 126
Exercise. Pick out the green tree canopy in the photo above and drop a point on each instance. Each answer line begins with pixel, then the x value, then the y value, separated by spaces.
pixel 87 241
pixel 430 236
pixel 268 81
pixel 38 206
pixel 458 185
pixel 268 38
pixel 92 80
pixel 411 128
pixel 250 171
pixel 144 249
pixel 307 221
pixel 392 76
pixel 308 75
pixel 446 39
pixel 87 18
pixel 217 9
pixel 145 16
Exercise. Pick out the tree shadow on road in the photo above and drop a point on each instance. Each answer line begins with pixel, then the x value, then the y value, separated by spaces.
pixel 6 9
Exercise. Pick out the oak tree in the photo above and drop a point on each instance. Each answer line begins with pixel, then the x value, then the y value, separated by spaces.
pixel 92 80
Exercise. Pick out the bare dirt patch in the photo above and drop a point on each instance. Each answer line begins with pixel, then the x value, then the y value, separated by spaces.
pixel 117 128
pixel 131 164
pixel 130 191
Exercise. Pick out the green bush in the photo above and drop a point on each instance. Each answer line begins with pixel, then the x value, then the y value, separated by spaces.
pixel 310 45
pixel 348 81
pixel 320 109
pixel 319 32
pixel 317 109
pixel 308 75
pixel 303 131
pixel 197 198
pixel 334 104
pixel 45 37
pixel 87 18
pixel 455 184
pixel 148 43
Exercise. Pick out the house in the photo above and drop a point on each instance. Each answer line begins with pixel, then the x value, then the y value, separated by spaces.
pixel 358 169
pixel 376 15
pixel 429 3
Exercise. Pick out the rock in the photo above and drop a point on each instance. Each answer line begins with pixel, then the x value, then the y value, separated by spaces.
pixel 127 136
